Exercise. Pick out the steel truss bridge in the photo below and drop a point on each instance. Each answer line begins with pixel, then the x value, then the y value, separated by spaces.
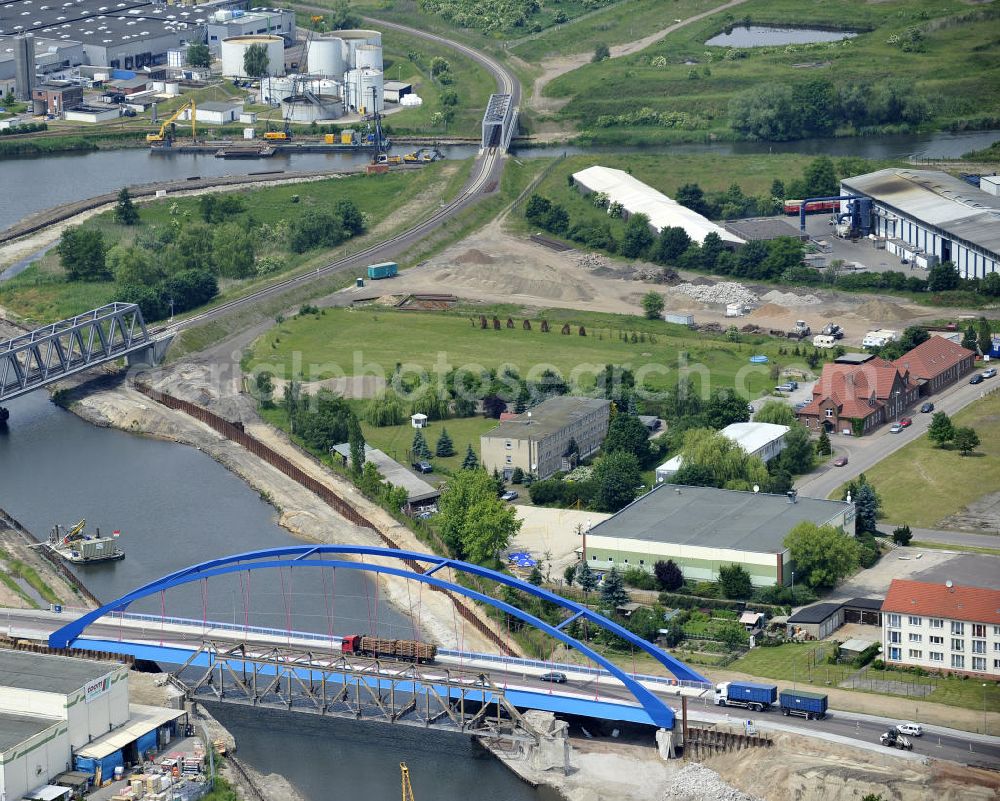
pixel 316 669
pixel 499 122
pixel 328 683
pixel 62 349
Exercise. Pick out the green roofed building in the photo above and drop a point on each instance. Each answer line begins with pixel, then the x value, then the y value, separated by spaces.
pixel 703 528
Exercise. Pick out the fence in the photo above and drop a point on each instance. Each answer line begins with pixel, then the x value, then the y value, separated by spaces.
pixel 57 564
pixel 236 434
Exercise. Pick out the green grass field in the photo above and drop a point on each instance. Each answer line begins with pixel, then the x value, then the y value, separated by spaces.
pixel 960 58
pixel 920 485
pixel 42 294
pixel 396 440
pixel 803 664
pixel 375 340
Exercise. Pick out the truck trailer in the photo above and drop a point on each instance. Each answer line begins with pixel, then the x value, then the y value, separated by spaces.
pixel 408 650
pixel 748 695
pixel 384 270
pixel 803 703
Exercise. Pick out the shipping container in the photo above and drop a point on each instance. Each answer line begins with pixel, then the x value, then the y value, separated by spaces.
pixel 804 703
pixel 746 694
pixel 385 270
pixel 679 319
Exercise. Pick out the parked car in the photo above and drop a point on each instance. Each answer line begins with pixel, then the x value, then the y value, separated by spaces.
pixel 840 461
pixel 913 729
pixel 906 422
pixel 555 677
pixel 896 428
pixel 509 495
pixel 423 467
pixel 976 379
pixel 927 408
pixel 989 372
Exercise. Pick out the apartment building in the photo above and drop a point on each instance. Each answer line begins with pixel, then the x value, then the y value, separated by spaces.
pixel 537 441
pixel 942 627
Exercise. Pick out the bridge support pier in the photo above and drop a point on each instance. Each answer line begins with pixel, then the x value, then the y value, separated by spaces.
pixel 551 751
pixel 152 355
pixel 665 743
pixel 4 416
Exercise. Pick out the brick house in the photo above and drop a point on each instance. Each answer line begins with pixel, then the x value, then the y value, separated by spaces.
pixel 58 97
pixel 936 364
pixel 859 398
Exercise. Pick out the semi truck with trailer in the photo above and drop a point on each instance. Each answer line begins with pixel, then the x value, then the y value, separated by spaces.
pixel 748 695
pixel 803 703
pixel 407 650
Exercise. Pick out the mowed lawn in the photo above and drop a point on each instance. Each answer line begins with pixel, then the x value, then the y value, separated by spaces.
pixel 378 341
pixel 396 441
pixel 920 484
pixel 804 664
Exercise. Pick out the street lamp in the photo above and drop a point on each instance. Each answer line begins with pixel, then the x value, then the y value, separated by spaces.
pixel 984 709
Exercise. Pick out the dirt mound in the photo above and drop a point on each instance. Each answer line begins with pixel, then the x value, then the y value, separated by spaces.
pixel 882 310
pixel 474 256
pixel 769 310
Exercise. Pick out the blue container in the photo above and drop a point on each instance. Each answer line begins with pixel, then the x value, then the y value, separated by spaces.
pixel 748 691
pixel 802 702
pixel 385 270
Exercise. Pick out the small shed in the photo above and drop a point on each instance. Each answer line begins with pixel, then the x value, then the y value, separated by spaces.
pixel 853 648
pixel 816 622
pixel 752 621
pixel 395 91
pixel 418 420
pixel 626 610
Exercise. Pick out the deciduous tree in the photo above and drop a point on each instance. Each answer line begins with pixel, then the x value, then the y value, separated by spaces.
pixel 652 305
pixel 941 429
pixel 616 476
pixel 734 581
pixel 668 575
pixel 966 440
pixel 82 253
pixel 823 555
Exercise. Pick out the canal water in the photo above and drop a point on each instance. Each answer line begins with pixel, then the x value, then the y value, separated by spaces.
pixel 50 180
pixel 176 506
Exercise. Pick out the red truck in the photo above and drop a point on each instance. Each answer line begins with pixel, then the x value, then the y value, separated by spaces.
pixel 408 650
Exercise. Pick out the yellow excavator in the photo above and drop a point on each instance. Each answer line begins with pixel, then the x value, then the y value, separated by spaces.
pixel 407 789
pixel 165 136
pixel 75 532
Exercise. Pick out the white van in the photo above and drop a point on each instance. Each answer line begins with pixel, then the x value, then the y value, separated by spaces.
pixel 824 341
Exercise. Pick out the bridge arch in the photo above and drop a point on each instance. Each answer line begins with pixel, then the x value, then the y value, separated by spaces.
pixel 305 556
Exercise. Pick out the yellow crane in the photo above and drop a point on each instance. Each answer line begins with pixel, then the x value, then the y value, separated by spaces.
pixel 405 776
pixel 169 121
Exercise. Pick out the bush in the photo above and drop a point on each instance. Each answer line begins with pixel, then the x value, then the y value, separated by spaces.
pixel 706 589
pixel 639 578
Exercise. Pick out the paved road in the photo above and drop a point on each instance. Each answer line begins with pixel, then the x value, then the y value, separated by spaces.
pixel 861 730
pixel 865 452
pixel 984 539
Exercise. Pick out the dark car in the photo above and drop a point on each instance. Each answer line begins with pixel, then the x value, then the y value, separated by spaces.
pixel 509 495
pixel 927 408
pixel 840 461
pixel 423 467
pixel 976 379
pixel 555 676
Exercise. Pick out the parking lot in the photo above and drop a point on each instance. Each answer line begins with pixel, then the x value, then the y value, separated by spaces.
pixel 862 252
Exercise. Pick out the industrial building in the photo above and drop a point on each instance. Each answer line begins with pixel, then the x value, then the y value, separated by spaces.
pixel 395 91
pixel 635 197
pixel 942 626
pixel 704 528
pixel 56 97
pixel 59 714
pixel 270 21
pixel 213 112
pixel 764 229
pixel 538 440
pixel 928 216
pixel 765 440
pixel 51 56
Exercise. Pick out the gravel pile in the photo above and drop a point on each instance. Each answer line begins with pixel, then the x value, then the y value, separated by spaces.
pixel 591 261
pixel 695 782
pixel 722 292
pixel 790 298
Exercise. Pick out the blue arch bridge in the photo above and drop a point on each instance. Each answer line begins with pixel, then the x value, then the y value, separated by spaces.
pixel 479 694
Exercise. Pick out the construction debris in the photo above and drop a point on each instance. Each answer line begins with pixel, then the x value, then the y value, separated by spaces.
pixel 780 298
pixel 695 782
pixel 722 292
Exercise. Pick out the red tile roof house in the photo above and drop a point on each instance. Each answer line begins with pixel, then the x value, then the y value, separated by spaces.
pixel 939 627
pixel 936 364
pixel 858 398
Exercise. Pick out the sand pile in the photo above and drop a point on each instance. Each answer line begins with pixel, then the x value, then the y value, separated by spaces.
pixel 769 310
pixel 474 256
pixel 882 310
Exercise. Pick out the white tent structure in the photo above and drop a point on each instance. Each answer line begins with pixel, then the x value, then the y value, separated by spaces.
pixel 636 197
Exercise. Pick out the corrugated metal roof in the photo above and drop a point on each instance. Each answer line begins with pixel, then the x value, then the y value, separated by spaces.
pixel 142 720
pixel 638 198
pixel 937 199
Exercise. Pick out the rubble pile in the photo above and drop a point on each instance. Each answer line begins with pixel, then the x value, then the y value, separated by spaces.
pixel 591 261
pixel 695 782
pixel 722 292
pixel 780 298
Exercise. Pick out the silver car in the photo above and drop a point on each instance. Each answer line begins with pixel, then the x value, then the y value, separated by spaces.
pixel 912 729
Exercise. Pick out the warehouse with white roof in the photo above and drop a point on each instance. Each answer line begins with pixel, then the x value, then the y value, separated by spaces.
pixel 765 440
pixel 928 216
pixel 636 197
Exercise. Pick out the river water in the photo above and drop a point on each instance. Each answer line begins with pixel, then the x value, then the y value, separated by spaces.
pixel 47 181
pixel 176 506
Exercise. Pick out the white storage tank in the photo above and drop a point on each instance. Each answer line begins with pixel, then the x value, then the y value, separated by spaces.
pixel 298 108
pixel 171 88
pixel 353 39
pixel 273 89
pixel 368 57
pixel 326 57
pixel 359 85
pixel 234 48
